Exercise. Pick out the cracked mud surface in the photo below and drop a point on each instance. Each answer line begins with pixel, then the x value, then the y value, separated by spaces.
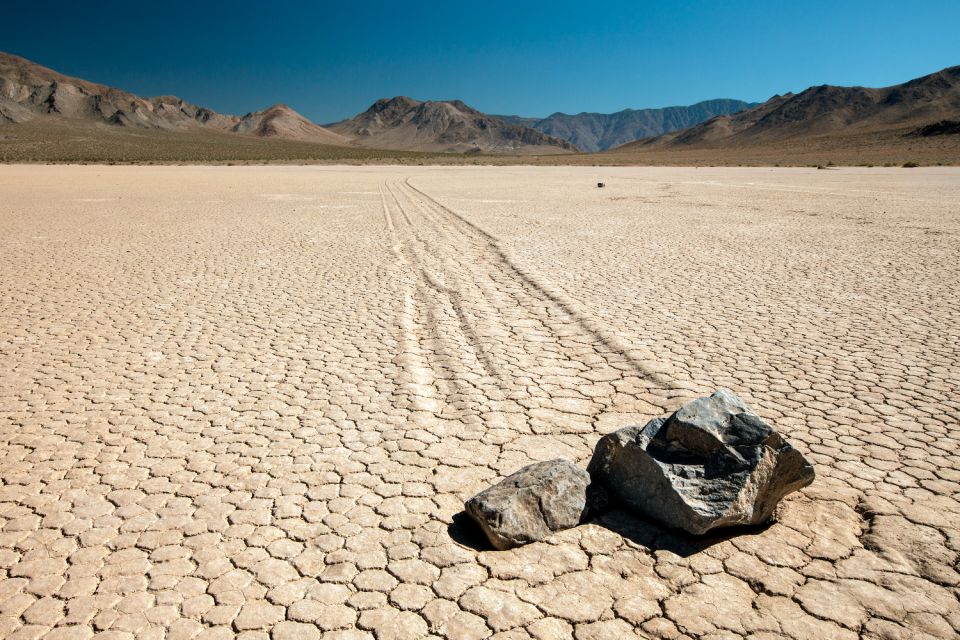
pixel 251 401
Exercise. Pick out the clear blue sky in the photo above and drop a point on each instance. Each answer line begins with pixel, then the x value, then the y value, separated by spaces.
pixel 332 60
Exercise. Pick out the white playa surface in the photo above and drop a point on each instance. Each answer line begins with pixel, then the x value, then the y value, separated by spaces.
pixel 253 399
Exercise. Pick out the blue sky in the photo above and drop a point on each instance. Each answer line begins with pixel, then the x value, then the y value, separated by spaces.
pixel 332 60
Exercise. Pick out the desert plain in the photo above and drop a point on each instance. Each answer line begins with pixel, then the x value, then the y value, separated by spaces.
pixel 251 400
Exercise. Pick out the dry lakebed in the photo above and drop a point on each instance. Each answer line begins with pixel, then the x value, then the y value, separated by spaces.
pixel 251 401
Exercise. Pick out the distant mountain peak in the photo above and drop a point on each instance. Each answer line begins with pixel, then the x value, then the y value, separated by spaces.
pixel 402 122
pixel 599 131
pixel 397 102
pixel 280 121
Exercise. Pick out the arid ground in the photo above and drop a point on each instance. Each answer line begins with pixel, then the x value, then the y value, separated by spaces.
pixel 253 399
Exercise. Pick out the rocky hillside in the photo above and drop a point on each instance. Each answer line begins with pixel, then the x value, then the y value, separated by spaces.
pixel 29 91
pixel 405 123
pixel 828 111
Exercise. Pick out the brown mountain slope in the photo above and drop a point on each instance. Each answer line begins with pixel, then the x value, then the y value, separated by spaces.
pixel 280 121
pixel 404 123
pixel 29 91
pixel 825 115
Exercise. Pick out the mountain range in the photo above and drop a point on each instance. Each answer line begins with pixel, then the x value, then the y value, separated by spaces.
pixel 29 91
pixel 917 119
pixel 602 131
pixel 928 106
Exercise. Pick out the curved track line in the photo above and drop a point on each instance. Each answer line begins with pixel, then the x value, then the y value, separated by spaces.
pixel 559 299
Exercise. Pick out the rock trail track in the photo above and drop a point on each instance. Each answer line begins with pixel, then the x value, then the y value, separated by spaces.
pixel 250 401
pixel 494 332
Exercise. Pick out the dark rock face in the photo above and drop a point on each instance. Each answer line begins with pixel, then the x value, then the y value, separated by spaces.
pixel 532 503
pixel 942 128
pixel 713 463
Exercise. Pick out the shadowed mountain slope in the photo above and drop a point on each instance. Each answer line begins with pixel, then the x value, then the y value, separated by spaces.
pixel 601 131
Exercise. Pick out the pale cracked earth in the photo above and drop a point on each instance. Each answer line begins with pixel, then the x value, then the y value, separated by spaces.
pixel 251 400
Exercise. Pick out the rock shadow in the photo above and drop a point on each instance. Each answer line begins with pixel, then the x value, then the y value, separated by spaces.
pixel 655 537
pixel 464 531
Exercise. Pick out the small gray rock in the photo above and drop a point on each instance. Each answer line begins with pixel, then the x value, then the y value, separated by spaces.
pixel 532 503
pixel 713 463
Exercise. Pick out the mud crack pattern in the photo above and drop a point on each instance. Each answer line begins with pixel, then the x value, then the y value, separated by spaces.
pixel 250 401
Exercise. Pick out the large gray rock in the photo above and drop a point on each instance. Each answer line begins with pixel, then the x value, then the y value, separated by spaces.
pixel 532 503
pixel 713 463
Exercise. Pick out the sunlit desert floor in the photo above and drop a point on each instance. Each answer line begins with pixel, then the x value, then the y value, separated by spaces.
pixel 253 399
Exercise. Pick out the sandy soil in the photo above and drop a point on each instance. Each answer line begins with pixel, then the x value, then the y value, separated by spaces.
pixel 252 399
